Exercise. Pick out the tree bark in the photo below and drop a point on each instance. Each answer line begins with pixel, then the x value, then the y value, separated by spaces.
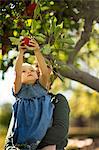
pixel 75 74
pixel 82 41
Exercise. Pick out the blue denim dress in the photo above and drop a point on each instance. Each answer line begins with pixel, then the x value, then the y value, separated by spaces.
pixel 32 114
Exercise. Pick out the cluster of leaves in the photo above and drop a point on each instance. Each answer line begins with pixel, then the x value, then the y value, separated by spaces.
pixel 16 22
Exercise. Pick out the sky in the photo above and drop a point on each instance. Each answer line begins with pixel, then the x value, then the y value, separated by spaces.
pixel 6 88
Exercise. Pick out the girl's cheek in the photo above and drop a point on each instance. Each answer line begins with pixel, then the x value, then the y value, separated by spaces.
pixel 36 76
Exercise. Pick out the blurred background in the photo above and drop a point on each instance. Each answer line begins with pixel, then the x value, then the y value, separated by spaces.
pixel 70 40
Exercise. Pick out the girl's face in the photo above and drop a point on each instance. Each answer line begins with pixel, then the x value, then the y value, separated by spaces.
pixel 36 66
pixel 29 75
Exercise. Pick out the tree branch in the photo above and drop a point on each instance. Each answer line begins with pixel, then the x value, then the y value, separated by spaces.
pixel 75 74
pixel 69 71
pixel 84 38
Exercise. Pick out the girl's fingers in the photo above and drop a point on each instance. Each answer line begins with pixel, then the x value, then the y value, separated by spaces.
pixel 22 42
pixel 35 44
pixel 31 43
pixel 30 47
pixel 32 39
pixel 22 46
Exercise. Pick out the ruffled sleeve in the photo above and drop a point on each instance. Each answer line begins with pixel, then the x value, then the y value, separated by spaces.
pixel 16 95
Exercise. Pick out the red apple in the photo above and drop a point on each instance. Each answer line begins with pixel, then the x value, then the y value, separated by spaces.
pixel 26 41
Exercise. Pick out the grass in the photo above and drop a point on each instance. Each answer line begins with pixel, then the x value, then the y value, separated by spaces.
pixel 2 138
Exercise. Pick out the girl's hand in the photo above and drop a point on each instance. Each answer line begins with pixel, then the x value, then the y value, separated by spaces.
pixel 33 45
pixel 22 48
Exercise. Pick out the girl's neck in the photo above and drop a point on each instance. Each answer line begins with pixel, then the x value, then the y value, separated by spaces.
pixel 30 82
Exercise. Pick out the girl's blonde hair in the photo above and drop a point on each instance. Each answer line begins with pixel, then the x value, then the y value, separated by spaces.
pixel 27 64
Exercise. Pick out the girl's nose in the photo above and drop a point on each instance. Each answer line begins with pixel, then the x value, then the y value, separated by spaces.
pixel 29 71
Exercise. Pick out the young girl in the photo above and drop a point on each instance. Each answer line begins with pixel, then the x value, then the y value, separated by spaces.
pixel 33 110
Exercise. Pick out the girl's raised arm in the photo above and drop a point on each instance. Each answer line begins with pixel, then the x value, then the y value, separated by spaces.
pixel 18 69
pixel 44 77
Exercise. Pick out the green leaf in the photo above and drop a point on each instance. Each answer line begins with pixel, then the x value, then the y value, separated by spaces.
pixel 1 56
pixel 69 49
pixel 15 41
pixel 53 25
pixel 28 22
pixel 1 32
pixel 35 25
pixel 23 33
pixel 44 8
pixel 46 49
pixel 56 32
pixel 39 39
pixel 66 40
pixel 36 11
pixel 40 35
pixel 69 41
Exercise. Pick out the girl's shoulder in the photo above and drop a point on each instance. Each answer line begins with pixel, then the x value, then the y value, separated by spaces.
pixel 41 85
pixel 23 86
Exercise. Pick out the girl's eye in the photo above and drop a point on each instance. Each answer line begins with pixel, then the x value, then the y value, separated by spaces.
pixel 32 70
pixel 23 71
pixel 36 66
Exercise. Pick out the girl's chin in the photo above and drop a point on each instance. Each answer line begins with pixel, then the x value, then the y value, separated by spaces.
pixel 29 82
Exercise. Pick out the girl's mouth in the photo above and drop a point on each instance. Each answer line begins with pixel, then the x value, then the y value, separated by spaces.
pixel 29 75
